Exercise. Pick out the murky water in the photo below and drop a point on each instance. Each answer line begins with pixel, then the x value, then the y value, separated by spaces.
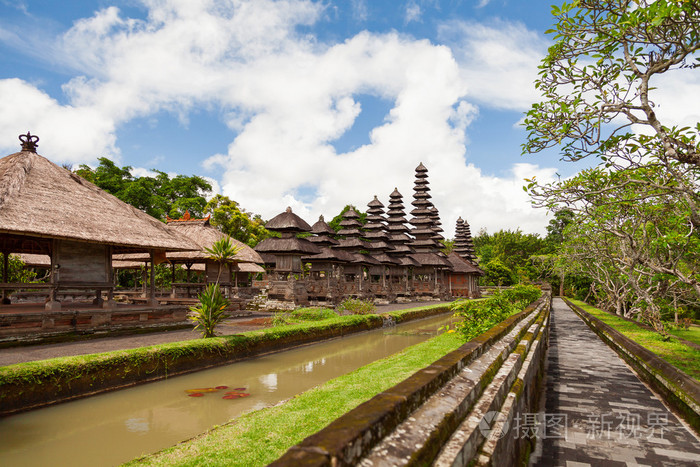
pixel 113 428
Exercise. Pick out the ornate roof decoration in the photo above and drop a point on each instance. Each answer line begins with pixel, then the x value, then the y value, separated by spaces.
pixel 187 217
pixel 29 142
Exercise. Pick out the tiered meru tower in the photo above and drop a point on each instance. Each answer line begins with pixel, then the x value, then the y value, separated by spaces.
pixel 426 237
pixel 464 245
pixel 382 259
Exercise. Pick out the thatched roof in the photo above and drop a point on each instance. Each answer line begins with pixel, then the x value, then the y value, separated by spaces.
pixel 461 265
pixel 205 235
pixel 291 245
pixel 431 259
pixel 322 227
pixel 40 199
pixel 287 222
pixel 250 267
pixel 330 255
pixel 385 259
pixel 33 260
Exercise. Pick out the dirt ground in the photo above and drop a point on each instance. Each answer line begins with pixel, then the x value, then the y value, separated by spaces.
pixel 32 353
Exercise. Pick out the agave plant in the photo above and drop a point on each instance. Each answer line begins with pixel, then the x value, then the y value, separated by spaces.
pixel 211 310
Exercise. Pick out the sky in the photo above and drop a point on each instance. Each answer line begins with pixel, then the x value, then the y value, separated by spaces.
pixel 307 104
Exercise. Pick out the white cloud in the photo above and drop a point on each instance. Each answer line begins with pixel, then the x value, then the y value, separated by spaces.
pixel 498 60
pixel 359 10
pixel 72 134
pixel 413 12
pixel 289 98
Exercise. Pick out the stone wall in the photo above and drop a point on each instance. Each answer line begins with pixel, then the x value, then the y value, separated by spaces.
pixel 453 412
pixel 28 326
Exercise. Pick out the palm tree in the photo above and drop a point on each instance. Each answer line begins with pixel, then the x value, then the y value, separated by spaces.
pixel 223 251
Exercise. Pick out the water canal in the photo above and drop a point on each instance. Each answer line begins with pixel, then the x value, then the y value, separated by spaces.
pixel 116 427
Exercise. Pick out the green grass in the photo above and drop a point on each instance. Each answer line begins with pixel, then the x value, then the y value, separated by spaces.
pixel 692 334
pixel 682 356
pixel 260 437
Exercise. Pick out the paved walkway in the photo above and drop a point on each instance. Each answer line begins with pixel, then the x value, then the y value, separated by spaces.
pixel 30 353
pixel 597 411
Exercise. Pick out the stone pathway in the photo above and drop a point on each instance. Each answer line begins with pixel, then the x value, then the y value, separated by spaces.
pixel 597 412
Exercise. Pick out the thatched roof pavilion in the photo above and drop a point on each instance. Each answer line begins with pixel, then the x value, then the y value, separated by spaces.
pixel 42 201
pixel 46 209
pixel 288 249
pixel 463 278
pixel 204 235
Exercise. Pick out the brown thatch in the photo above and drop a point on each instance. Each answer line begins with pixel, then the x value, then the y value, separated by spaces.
pixel 432 260
pixel 205 235
pixel 287 222
pixel 250 267
pixel 39 198
pixel 322 227
pixel 461 265
pixel 33 260
pixel 287 245
pixel 385 259
pixel 329 255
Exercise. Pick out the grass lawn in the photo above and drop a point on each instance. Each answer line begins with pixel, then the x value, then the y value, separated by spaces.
pixel 692 334
pixel 680 355
pixel 260 437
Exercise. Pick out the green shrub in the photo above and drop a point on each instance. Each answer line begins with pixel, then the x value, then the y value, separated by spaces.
pixel 211 310
pixel 313 314
pixel 353 306
pixel 282 318
pixel 480 316
pixel 522 295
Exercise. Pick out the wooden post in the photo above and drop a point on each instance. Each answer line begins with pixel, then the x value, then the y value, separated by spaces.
pixel 152 285
pixel 5 275
pixel 172 279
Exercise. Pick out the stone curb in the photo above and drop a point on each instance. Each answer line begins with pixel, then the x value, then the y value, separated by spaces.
pixel 678 389
pixel 347 439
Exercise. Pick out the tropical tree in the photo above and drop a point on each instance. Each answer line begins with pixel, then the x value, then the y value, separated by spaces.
pixel 508 252
pixel 158 196
pixel 16 270
pixel 600 78
pixel 236 222
pixel 223 251
pixel 210 311
pixel 635 229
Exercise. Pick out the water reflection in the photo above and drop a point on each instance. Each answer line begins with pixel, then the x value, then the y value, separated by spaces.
pixel 119 426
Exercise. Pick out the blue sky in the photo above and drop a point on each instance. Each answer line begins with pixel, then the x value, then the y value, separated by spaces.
pixel 296 103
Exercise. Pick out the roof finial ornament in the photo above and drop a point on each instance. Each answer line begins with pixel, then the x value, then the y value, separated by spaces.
pixel 289 209
pixel 29 142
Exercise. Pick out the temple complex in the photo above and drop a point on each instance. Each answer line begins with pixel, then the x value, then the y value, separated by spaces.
pixel 381 260
pixel 82 235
